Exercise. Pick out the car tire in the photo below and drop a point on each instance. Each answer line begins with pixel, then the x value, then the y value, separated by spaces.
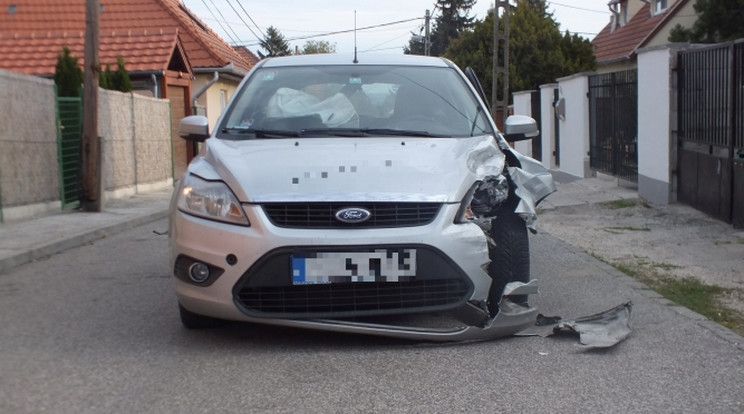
pixel 510 257
pixel 192 320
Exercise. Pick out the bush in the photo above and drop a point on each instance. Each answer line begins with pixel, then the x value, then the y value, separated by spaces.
pixel 67 74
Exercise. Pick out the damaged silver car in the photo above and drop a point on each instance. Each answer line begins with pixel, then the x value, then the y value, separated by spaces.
pixel 371 196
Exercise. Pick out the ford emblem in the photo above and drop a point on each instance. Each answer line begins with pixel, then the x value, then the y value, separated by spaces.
pixel 353 215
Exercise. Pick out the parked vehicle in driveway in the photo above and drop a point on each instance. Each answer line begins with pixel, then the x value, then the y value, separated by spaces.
pixel 333 192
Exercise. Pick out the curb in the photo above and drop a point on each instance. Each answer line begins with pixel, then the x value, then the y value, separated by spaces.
pixel 78 240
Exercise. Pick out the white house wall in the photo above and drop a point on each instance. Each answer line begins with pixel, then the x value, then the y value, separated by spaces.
pixel 655 155
pixel 211 98
pixel 574 129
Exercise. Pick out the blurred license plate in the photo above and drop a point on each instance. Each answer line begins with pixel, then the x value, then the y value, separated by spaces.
pixel 381 265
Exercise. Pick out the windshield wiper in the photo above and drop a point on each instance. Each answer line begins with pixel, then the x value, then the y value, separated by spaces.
pixel 263 133
pixel 401 132
pixel 335 132
pixel 364 132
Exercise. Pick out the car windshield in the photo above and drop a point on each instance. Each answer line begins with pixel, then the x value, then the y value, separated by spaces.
pixel 354 100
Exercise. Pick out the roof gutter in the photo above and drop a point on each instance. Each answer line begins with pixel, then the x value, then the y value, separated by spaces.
pixel 204 89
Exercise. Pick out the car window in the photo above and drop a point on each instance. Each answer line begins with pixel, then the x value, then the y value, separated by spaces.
pixel 370 100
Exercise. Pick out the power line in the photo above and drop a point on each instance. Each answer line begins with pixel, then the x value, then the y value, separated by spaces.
pixel 241 19
pixel 342 31
pixel 250 18
pixel 215 19
pixel 375 47
pixel 218 21
pixel 552 3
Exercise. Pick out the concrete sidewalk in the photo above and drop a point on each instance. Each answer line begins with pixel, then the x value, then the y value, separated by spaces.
pixel 29 240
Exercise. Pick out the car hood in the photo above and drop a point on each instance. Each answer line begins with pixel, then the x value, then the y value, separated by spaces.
pixel 350 169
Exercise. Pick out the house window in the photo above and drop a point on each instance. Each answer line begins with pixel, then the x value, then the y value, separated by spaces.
pixel 660 6
pixel 223 99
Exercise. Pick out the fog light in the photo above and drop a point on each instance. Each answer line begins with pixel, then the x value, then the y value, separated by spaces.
pixel 199 272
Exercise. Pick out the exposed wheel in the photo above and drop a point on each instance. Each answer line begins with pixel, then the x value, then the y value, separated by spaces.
pixel 192 320
pixel 510 258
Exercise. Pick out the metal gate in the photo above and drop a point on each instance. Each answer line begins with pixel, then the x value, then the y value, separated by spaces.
pixel 69 135
pixel 613 124
pixel 711 130
pixel 537 116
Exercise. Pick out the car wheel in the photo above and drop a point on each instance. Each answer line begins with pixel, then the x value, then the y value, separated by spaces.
pixel 510 257
pixel 192 320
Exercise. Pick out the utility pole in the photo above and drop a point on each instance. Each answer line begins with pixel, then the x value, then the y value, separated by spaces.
pixel 500 106
pixel 427 39
pixel 92 183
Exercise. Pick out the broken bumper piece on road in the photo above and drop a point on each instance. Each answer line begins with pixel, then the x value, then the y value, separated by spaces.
pixel 602 330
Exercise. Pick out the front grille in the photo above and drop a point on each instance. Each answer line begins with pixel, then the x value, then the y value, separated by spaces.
pixel 323 215
pixel 366 297
pixel 266 289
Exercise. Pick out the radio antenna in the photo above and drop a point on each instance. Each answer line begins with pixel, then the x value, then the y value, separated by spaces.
pixel 355 42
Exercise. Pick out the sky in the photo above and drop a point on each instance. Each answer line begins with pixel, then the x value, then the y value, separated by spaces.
pixel 383 26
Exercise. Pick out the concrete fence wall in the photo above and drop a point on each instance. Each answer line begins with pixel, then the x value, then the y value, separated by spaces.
pixel 136 132
pixel 29 172
pixel 137 151
pixel 656 123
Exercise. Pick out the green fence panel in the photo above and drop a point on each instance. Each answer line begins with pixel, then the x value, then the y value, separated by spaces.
pixel 70 118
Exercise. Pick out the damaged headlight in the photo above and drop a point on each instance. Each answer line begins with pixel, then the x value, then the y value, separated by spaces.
pixel 483 199
pixel 210 199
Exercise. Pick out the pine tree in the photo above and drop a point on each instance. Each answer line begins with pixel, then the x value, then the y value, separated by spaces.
pixel 104 77
pixel 67 74
pixel 453 18
pixel 120 80
pixel 274 44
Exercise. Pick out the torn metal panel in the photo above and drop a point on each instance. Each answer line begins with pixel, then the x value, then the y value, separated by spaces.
pixel 601 330
pixel 533 183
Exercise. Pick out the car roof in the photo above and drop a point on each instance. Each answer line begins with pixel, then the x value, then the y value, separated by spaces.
pixel 348 59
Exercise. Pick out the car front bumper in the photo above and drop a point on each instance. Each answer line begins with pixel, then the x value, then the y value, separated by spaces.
pixel 464 246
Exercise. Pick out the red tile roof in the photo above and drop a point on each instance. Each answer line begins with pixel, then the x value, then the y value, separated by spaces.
pixel 129 20
pixel 625 40
pixel 247 54
pixel 37 54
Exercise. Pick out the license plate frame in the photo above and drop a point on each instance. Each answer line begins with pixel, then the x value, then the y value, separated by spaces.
pixel 375 265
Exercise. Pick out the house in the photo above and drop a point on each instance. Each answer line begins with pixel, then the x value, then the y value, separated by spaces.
pixel 169 52
pixel 637 24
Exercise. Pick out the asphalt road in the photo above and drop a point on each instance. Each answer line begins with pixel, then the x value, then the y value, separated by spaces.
pixel 96 330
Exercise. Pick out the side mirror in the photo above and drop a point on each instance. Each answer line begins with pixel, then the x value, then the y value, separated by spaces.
pixel 194 128
pixel 520 128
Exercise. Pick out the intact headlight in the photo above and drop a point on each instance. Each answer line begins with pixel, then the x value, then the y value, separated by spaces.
pixel 210 199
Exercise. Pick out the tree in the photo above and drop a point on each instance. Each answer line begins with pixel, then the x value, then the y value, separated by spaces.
pixel 120 80
pixel 538 53
pixel 116 81
pixel 67 74
pixel 274 44
pixel 104 77
pixel 318 46
pixel 452 20
pixel 718 21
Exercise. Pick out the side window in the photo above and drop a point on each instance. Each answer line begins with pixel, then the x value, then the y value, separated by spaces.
pixel 223 99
